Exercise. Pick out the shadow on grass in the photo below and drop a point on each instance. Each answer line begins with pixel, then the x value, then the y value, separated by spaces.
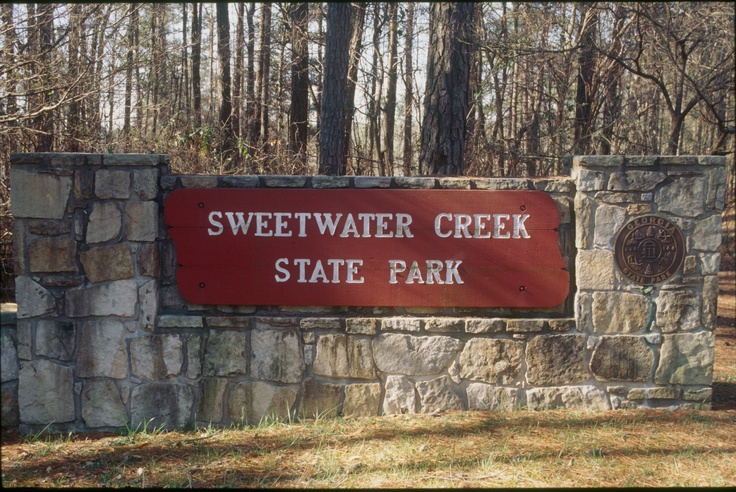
pixel 724 396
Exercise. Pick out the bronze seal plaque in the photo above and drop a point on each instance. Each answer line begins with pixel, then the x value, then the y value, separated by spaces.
pixel 649 250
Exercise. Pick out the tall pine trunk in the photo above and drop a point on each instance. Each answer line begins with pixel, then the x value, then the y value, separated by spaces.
pixel 299 110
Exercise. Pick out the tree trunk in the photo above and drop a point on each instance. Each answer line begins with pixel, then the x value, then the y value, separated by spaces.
pixel 299 110
pixel 238 73
pixel 584 97
pixel 250 98
pixel 337 57
pixel 447 96
pixel 226 105
pixel 390 108
pixel 129 69
pixel 264 68
pixel 196 62
pixel 45 122
pixel 408 88
pixel 356 47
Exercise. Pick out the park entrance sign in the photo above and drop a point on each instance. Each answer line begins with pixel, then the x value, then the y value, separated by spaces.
pixel 388 247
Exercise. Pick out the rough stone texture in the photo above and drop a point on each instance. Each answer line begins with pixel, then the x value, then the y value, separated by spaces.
pixel 33 300
pixel 157 405
pixel 556 360
pixel 491 361
pixel 254 402
pixel 104 224
pixel 8 357
pixel 372 182
pixel 175 321
pixel 102 350
pixel 635 180
pixel 437 395
pixel 362 326
pixel 678 311
pixel 107 263
pixel 276 356
pixel 620 312
pixel 147 260
pixel 413 355
pixel 228 322
pixel 283 181
pixel 401 324
pixel 422 183
pixel 116 298
pixel 225 353
pixel 562 324
pixel 594 269
pixel 589 180
pixel 102 405
pixel 9 415
pixel 145 183
pixel 53 254
pixel 710 263
pixel 361 400
pixel 47 200
pixel 663 393
pixel 485 325
pixel 400 396
pixel 486 397
pixel 444 325
pixel 584 210
pixel 156 358
pixel 24 337
pixel 708 234
pixel 148 304
pixel 130 159
pixel 683 196
pixel 524 325
pixel 704 395
pixel 710 302
pixel 194 356
pixel 55 339
pixel 343 356
pixel 112 184
pixel 45 392
pixel 211 404
pixel 608 222
pixel 142 221
pixel 622 358
pixel 568 397
pixel 321 182
pixel 240 181
pixel 686 359
pixel 319 400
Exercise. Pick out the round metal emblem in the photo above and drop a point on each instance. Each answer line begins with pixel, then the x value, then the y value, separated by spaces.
pixel 649 250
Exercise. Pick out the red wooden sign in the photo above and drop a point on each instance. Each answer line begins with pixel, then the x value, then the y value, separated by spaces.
pixel 307 247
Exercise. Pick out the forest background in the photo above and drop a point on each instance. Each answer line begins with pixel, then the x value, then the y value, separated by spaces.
pixel 501 89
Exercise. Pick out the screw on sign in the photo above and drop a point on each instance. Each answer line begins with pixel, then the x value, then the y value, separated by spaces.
pixel 649 250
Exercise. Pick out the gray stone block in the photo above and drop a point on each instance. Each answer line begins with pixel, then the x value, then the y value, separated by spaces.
pixel 362 400
pixel 225 353
pixel 142 221
pixel 105 223
pixel 343 356
pixel 117 298
pixel 102 405
pixel 276 356
pixel 487 397
pixel 45 392
pixel 145 183
pixel 686 359
pixel 491 360
pixel 211 400
pixel 8 357
pixel 320 400
pixel 252 402
pixel 556 360
pixel 33 300
pixel 567 397
pixel 107 263
pixel 55 339
pixel 112 184
pixel 622 358
pixel 130 159
pixel 157 358
pixel 38 195
pixel 413 355
pixel 436 395
pixel 156 405
pixel 102 350
pixel 400 396
pixel 620 312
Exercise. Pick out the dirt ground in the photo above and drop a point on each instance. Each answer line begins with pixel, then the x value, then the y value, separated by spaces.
pixel 724 370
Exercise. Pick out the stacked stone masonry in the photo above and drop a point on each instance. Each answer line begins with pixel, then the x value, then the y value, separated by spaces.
pixel 103 340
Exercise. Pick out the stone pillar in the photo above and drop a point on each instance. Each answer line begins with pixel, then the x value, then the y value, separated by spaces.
pixel 652 344
pixel 85 233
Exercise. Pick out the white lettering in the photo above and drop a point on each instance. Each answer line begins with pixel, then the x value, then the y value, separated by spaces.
pixel 414 274
pixel 302 216
pixel 437 224
pixel 479 227
pixel 452 273
pixel 325 221
pixel 239 225
pixel 519 229
pixel 394 267
pixel 281 224
pixel 350 227
pixel 381 226
pixel 498 226
pixel 403 221
pixel 434 267
pixel 285 272
pixel 262 224
pixel 302 262
pixel 336 269
pixel 220 228
pixel 462 221
pixel 352 267
pixel 366 218
pixel 318 273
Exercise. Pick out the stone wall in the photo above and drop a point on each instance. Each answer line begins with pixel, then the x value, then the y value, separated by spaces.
pixel 104 340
